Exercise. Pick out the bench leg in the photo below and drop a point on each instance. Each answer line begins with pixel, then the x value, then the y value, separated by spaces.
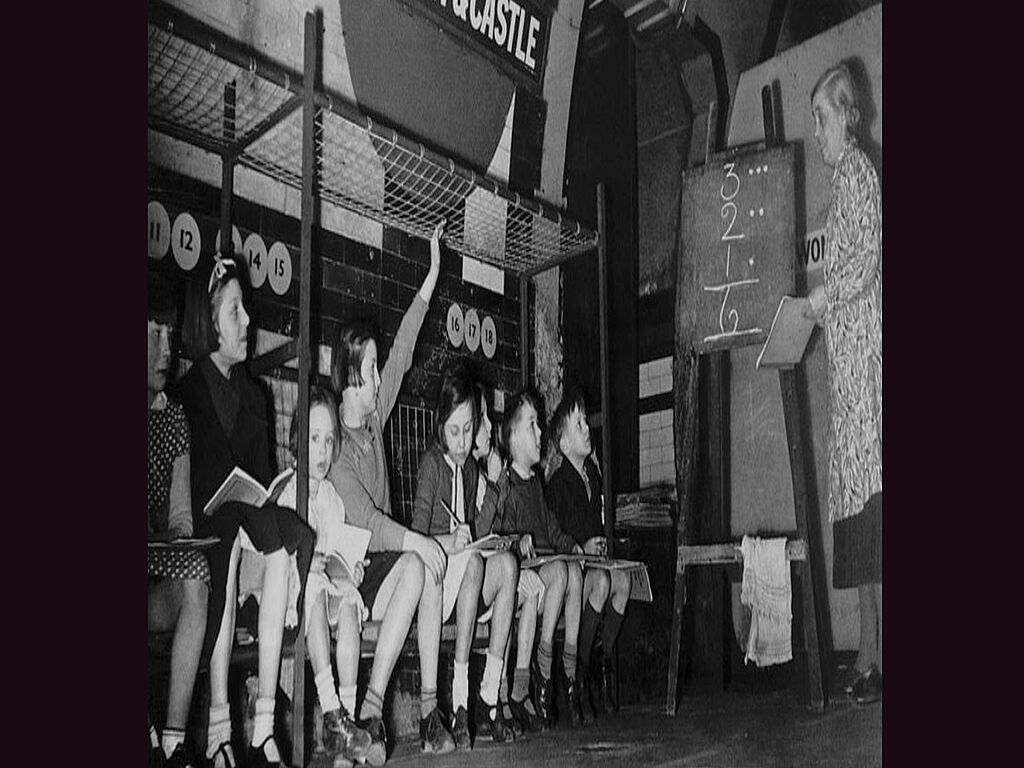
pixel 675 640
pixel 811 638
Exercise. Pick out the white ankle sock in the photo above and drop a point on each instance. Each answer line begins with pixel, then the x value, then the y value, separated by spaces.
pixel 219 729
pixel 325 691
pixel 347 695
pixel 491 679
pixel 460 685
pixel 172 738
pixel 263 723
pixel 154 737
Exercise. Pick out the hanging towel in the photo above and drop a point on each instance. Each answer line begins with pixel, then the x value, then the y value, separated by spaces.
pixel 767 590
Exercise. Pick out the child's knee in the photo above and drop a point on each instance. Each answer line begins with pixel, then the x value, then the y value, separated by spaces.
pixel 505 568
pixel 557 575
pixel 412 568
pixel 599 582
pixel 475 568
pixel 620 583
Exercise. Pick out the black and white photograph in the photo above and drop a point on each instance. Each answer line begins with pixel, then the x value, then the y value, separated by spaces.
pixel 515 383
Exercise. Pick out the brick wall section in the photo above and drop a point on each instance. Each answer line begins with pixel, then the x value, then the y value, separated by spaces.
pixel 355 279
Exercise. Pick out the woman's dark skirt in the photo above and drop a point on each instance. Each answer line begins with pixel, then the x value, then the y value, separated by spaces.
pixel 857 547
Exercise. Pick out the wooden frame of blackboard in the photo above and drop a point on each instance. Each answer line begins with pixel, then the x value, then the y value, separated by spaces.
pixel 753 280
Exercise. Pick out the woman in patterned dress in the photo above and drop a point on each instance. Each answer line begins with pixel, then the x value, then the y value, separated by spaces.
pixel 179 580
pixel 849 307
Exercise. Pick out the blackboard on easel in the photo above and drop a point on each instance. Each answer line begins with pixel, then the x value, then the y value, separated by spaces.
pixel 736 245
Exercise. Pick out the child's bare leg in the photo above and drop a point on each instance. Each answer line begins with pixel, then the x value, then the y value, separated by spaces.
pixel 318 645
pixel 273 605
pixel 877 589
pixel 398 609
pixel 527 633
pixel 620 588
pixel 218 731
pixel 499 590
pixel 466 608
pixel 554 575
pixel 180 604
pixel 428 637
pixel 573 602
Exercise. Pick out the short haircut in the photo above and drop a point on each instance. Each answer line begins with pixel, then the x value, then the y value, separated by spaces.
pixel 841 92
pixel 520 400
pixel 455 388
pixel 347 357
pixel 317 396
pixel 161 299
pixel 572 399
pixel 199 331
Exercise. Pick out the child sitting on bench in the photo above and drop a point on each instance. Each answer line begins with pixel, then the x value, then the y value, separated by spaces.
pixel 526 512
pixel 330 601
pixel 445 507
pixel 574 495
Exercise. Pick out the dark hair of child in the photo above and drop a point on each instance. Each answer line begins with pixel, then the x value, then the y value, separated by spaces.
pixel 456 387
pixel 202 303
pixel 519 401
pixel 572 400
pixel 347 361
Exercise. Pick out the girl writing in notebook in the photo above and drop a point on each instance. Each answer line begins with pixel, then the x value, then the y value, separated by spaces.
pixel 445 507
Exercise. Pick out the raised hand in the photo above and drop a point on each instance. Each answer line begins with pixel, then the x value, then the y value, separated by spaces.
pixel 435 245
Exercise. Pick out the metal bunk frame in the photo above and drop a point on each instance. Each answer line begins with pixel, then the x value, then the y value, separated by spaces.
pixel 189 61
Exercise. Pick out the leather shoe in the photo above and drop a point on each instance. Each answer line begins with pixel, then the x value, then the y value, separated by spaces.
pixel 530 722
pixel 490 723
pixel 868 689
pixel 583 689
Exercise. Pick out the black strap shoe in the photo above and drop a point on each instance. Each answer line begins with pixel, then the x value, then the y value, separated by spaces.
pixel 377 754
pixel 490 723
pixel 570 700
pixel 258 756
pixel 583 689
pixel 543 693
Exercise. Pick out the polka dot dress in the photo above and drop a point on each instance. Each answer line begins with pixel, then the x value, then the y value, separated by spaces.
pixel 168 439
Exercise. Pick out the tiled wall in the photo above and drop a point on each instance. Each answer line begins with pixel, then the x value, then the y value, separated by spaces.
pixel 657 455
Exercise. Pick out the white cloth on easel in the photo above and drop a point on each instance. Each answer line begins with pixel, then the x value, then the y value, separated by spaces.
pixel 768 591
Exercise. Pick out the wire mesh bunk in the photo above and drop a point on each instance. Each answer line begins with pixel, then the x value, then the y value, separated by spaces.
pixel 213 93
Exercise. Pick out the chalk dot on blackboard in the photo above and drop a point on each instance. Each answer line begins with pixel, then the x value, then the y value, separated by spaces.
pixel 751 212
pixel 751 262
pixel 766 169
pixel 760 211
pixel 750 171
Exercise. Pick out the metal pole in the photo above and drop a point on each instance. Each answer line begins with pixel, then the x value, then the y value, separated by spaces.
pixel 311 55
pixel 606 408
pixel 227 174
pixel 524 331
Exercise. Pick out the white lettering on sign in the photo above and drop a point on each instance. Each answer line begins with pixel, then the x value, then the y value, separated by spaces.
pixel 732 182
pixel 280 268
pixel 510 26
pixel 811 252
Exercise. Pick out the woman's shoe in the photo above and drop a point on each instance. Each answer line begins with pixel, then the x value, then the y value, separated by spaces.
pixel 224 757
pixel 490 723
pixel 852 675
pixel 868 689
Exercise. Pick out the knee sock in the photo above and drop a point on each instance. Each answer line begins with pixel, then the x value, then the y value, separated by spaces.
pixel 347 695
pixel 588 630
pixel 520 684
pixel 263 723
pixel 491 679
pixel 325 691
pixel 154 739
pixel 172 738
pixel 544 656
pixel 569 660
pixel 428 701
pixel 610 629
pixel 219 729
pixel 460 685
pixel 373 705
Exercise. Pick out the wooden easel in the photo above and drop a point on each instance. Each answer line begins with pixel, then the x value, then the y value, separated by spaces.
pixel 800 550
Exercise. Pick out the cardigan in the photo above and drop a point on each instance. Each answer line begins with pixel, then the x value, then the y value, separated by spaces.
pixel 566 496
pixel 525 511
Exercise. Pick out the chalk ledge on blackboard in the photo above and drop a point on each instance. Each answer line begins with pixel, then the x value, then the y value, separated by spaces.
pixel 788 336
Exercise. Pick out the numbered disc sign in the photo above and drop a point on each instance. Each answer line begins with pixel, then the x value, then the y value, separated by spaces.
pixel 255 251
pixel 472 330
pixel 185 241
pixel 489 337
pixel 455 324
pixel 159 230
pixel 236 241
pixel 279 266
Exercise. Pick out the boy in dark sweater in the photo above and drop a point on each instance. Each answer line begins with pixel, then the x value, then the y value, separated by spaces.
pixel 525 512
pixel 574 496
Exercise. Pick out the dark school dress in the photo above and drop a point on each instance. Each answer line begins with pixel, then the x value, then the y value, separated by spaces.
pixel 228 421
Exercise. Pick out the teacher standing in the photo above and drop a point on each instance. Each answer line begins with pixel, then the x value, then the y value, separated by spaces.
pixel 849 307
